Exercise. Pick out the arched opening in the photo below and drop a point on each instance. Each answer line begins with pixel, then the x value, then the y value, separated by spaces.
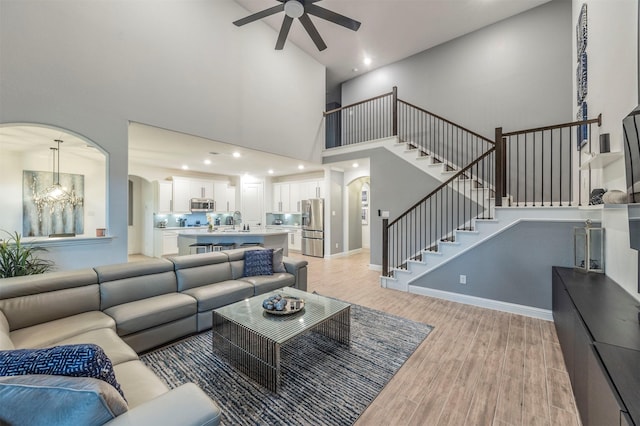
pixel 53 182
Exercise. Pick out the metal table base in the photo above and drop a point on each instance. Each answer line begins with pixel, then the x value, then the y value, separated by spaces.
pixel 257 355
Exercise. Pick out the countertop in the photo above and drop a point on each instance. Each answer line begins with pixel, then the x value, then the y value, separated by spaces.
pixel 205 233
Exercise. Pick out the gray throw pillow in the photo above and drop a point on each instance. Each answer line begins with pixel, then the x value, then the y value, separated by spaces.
pixel 278 265
pixel 42 399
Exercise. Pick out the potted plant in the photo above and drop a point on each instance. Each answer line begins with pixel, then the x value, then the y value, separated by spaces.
pixel 18 258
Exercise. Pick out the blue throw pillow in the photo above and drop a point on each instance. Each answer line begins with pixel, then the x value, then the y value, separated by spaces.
pixel 258 262
pixel 85 360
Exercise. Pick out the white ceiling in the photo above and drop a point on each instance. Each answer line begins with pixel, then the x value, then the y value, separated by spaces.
pixel 391 30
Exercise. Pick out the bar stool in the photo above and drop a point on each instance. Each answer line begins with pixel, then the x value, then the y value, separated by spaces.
pixel 227 246
pixel 216 247
pixel 197 248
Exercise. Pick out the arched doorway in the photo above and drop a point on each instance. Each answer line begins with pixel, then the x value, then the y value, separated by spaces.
pixel 35 160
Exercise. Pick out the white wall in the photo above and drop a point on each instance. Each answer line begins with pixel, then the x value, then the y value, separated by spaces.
pixel 513 74
pixel 91 67
pixel 612 50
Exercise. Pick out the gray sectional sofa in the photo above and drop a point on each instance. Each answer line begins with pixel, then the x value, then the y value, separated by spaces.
pixel 126 309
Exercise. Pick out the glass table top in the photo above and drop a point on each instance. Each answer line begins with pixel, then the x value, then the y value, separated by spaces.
pixel 280 328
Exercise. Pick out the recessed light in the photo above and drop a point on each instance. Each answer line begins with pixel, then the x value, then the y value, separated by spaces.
pixel 236 154
pixel 207 161
pixel 355 165
pixel 301 166
pixel 185 167
pixel 270 171
pixel 355 70
pixel 367 61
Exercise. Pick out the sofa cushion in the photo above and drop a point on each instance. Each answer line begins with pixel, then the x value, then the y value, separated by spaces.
pixel 278 265
pixel 258 262
pixel 52 332
pixel 112 345
pixel 5 339
pixel 265 283
pixel 58 400
pixel 34 309
pixel 153 311
pixel 202 275
pixel 139 383
pixel 84 360
pixel 128 282
pixel 213 296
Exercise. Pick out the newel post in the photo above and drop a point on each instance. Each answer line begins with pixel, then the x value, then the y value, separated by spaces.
pixel 395 110
pixel 385 247
pixel 500 166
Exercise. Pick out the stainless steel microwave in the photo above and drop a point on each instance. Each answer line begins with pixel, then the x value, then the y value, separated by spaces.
pixel 202 205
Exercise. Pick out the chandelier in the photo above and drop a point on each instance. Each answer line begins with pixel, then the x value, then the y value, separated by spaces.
pixel 54 197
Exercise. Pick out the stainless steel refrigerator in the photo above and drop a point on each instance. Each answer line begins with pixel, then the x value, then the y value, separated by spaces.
pixel 313 227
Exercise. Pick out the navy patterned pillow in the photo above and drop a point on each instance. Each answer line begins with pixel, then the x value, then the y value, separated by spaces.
pixel 258 262
pixel 85 360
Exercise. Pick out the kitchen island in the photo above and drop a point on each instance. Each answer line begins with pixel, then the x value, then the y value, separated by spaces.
pixel 266 238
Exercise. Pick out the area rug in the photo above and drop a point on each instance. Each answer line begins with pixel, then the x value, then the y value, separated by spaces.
pixel 323 382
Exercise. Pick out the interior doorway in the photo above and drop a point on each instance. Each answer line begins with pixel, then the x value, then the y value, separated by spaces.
pixel 140 216
pixel 358 202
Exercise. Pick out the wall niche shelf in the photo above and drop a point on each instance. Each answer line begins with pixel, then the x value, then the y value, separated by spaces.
pixel 602 160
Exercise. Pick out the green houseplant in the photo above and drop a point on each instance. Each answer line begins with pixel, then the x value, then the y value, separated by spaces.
pixel 18 258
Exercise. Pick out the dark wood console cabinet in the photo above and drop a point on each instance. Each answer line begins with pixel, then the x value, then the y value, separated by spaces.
pixel 597 325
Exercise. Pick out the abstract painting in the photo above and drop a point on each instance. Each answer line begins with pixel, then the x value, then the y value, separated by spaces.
pixel 47 209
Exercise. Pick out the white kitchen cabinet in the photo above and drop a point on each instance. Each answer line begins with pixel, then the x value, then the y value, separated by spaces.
pixel 281 197
pixel 294 197
pixel 295 240
pixel 165 242
pixel 224 197
pixel 311 189
pixel 181 195
pixel 163 197
pixel 184 189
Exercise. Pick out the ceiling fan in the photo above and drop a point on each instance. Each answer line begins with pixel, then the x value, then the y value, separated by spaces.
pixel 301 9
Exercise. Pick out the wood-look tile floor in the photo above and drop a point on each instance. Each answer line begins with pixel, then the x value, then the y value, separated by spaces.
pixel 477 367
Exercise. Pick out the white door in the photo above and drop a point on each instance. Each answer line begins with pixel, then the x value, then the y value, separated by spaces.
pixel 253 204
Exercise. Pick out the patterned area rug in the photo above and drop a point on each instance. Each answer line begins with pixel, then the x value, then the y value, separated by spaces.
pixel 322 382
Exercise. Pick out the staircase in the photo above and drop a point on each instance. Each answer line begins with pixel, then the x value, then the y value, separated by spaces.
pixel 487 186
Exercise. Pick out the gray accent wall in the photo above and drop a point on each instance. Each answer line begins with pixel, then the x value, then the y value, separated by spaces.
pixel 395 186
pixel 514 266
pixel 517 73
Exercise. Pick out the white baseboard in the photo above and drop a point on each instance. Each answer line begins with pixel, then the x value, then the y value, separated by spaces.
pixel 344 253
pixel 528 311
pixel 374 267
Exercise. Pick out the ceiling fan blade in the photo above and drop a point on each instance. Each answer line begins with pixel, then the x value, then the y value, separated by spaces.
pixel 259 15
pixel 313 32
pixel 284 31
pixel 330 16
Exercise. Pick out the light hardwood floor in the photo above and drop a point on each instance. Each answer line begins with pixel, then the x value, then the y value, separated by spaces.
pixel 477 367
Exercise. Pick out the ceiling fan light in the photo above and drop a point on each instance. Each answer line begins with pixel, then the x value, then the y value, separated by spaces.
pixel 294 9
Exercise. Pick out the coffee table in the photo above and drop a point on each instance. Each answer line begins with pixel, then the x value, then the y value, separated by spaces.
pixel 251 338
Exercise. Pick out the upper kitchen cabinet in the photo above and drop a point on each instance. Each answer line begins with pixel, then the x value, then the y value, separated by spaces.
pixel 281 197
pixel 311 189
pixel 287 195
pixel 224 196
pixel 163 197
pixel 184 189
